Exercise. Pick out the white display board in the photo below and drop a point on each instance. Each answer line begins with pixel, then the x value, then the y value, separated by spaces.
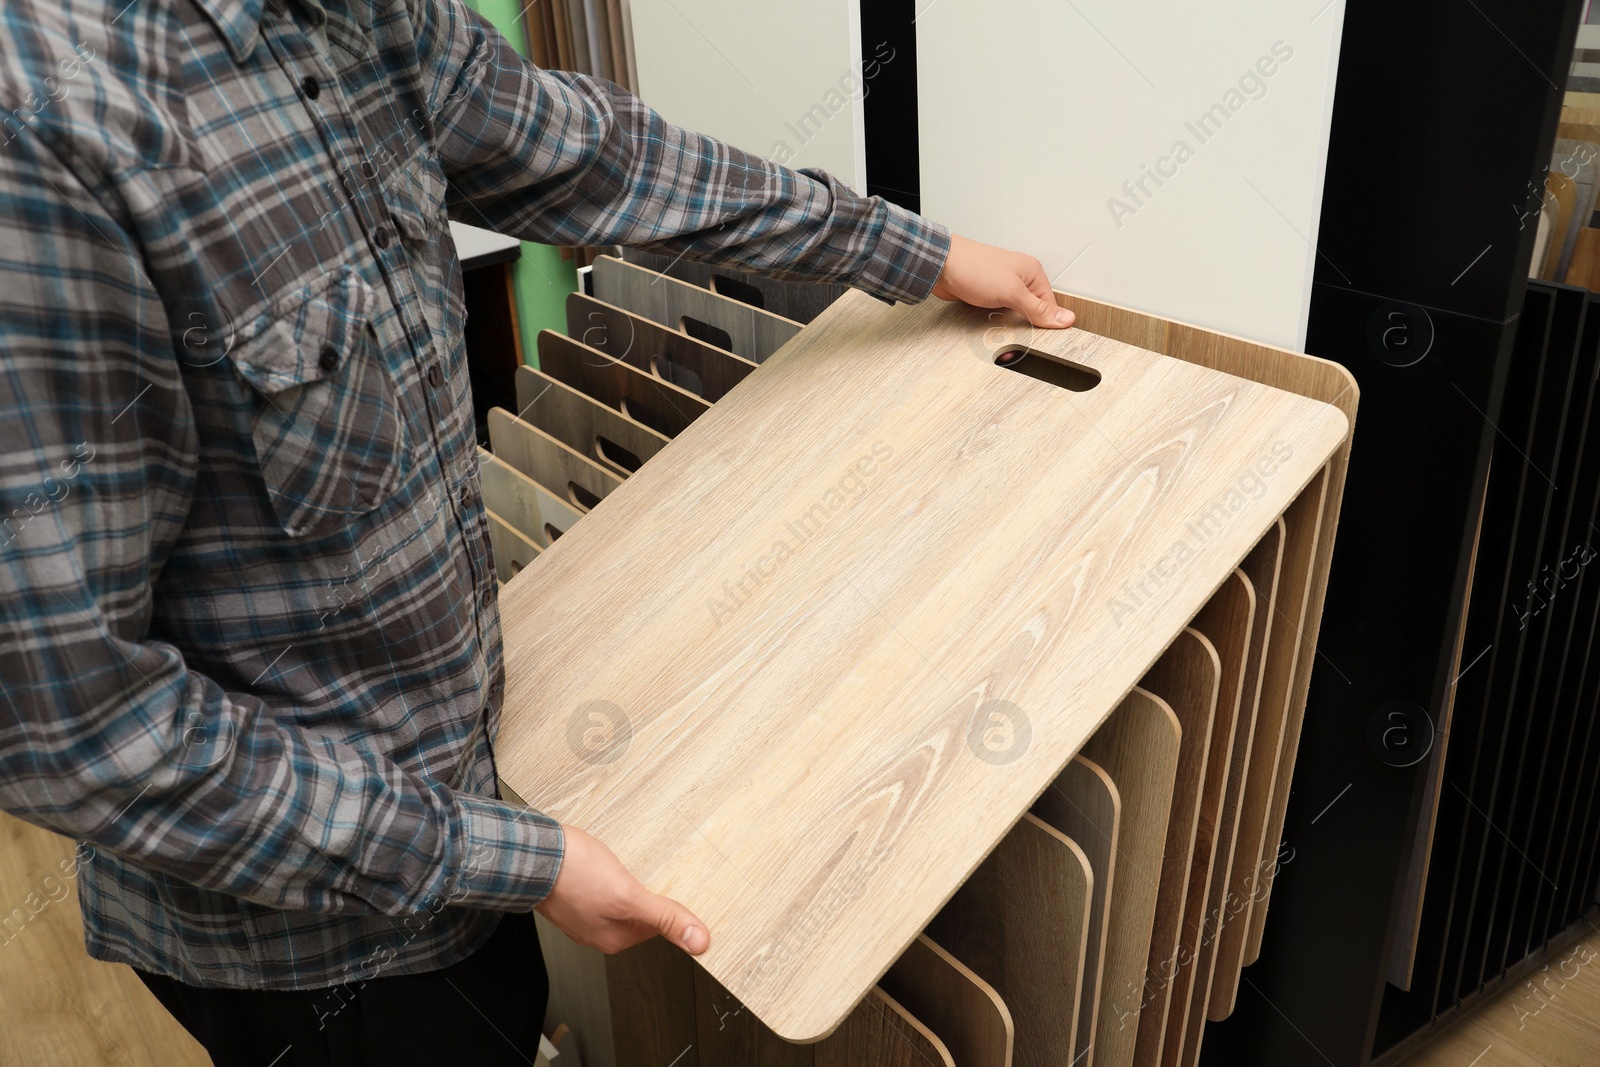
pixel 782 80
pixel 1166 156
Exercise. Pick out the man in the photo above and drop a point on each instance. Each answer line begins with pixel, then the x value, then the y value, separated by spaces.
pixel 250 647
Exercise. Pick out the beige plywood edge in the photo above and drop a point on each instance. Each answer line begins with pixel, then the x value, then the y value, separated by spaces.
pixel 1187 677
pixel 965 1012
pixel 580 481
pixel 1226 621
pixel 706 371
pixel 1138 747
pixel 1084 805
pixel 642 397
pixel 584 424
pixel 1021 923
pixel 1250 867
pixel 1308 376
pixel 883 1033
pixel 1261 568
pixel 752 333
pixel 813 546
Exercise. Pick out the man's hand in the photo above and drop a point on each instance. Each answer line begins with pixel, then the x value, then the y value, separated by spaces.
pixel 990 277
pixel 597 902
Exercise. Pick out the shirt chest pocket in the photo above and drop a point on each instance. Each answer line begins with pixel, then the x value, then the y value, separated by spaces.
pixel 326 421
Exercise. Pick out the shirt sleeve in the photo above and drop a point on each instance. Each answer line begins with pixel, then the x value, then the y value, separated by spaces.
pixel 106 734
pixel 574 160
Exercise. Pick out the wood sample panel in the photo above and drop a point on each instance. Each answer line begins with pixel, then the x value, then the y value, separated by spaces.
pixel 522 503
pixel 1260 570
pixel 962 1010
pixel 751 332
pixel 1225 620
pixel 1083 803
pixel 704 370
pixel 1138 747
pixel 1187 676
pixel 992 481
pixel 640 396
pixel 580 481
pixel 513 550
pixel 1021 923
pixel 584 424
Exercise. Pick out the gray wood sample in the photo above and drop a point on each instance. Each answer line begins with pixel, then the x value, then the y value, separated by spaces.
pixel 580 481
pixel 705 370
pixel 751 332
pixel 584 424
pixel 641 396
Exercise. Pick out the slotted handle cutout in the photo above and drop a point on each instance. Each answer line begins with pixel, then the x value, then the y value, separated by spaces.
pixel 1045 367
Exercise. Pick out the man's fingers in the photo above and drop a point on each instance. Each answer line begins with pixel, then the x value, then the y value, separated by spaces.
pixel 677 924
pixel 1043 311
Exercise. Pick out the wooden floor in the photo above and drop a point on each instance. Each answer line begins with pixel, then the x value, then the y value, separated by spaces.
pixel 1554 1022
pixel 59 1006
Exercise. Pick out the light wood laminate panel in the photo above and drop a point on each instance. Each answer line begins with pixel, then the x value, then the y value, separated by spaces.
pixel 752 333
pixel 512 549
pixel 965 1012
pixel 522 503
pixel 1187 677
pixel 1021 923
pixel 641 396
pixel 1260 568
pixel 1226 622
pixel 949 512
pixel 705 370
pixel 1084 805
pixel 1138 747
pixel 575 478
pixel 584 424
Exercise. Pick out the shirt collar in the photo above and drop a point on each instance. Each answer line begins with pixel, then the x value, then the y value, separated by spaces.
pixel 239 22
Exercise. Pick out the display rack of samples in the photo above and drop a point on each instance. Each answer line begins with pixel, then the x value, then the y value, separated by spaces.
pixel 952 671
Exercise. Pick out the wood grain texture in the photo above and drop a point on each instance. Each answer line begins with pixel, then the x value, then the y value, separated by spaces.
pixel 882 1033
pixel 651 987
pixel 1138 747
pixel 1225 620
pixel 642 397
pixel 967 1014
pixel 800 301
pixel 59 1006
pixel 777 810
pixel 1187 677
pixel 522 503
pixel 512 549
pixel 567 474
pixel 753 333
pixel 1084 805
pixel 1251 868
pixel 1584 269
pixel 1260 568
pixel 1021 923
pixel 703 369
pixel 583 424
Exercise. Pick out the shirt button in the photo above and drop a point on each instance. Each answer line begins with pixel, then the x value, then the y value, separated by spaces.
pixel 310 87
pixel 435 376
pixel 328 359
pixel 381 237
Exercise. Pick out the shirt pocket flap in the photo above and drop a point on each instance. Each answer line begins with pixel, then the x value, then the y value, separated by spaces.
pixel 309 334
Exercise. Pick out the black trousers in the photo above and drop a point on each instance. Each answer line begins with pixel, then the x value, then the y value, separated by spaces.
pixel 486 1011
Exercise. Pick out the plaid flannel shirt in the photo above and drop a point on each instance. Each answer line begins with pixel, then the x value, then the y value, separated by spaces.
pixel 249 642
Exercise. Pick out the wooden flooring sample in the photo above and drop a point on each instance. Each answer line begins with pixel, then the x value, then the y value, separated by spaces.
pixel 1084 805
pixel 1226 621
pixel 1251 869
pixel 1021 923
pixel 1260 568
pixel 751 332
pixel 575 478
pixel 641 396
pixel 705 370
pixel 963 1011
pixel 512 549
pixel 1138 747
pixel 882 1033
pixel 522 503
pixel 652 990
pixel 815 603
pixel 1187 677
pixel 584 424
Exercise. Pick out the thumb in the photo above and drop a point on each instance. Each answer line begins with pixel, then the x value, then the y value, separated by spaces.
pixel 1042 310
pixel 678 924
